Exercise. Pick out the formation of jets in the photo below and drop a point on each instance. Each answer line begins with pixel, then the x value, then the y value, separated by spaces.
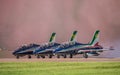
pixel 66 49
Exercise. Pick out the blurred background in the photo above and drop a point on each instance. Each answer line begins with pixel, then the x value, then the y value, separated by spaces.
pixel 33 21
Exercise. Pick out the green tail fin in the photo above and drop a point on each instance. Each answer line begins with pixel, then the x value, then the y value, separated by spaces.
pixel 95 39
pixel 52 38
pixel 73 36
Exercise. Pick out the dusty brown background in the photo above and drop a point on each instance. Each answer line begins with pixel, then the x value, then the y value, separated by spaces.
pixel 28 21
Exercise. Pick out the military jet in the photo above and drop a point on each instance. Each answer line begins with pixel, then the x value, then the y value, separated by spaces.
pixel 48 48
pixel 73 48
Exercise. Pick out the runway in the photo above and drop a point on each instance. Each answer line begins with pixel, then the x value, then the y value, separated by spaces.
pixel 61 60
pixel 6 56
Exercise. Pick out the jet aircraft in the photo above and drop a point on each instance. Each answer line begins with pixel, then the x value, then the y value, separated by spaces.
pixel 47 49
pixel 28 49
pixel 62 50
pixel 72 48
pixel 25 50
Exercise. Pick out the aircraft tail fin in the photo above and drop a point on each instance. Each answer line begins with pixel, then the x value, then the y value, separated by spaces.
pixel 95 39
pixel 52 38
pixel 73 37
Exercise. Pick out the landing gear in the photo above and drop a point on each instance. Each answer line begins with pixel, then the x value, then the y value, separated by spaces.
pixel 43 56
pixel 85 55
pixel 17 56
pixel 71 56
pixel 65 56
pixel 58 56
pixel 38 56
pixel 50 56
pixel 29 56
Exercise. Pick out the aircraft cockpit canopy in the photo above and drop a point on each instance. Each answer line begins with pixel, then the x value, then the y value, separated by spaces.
pixel 67 44
pixel 46 45
pixel 23 47
pixel 50 44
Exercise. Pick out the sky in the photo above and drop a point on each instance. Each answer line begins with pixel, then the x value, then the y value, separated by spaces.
pixel 33 21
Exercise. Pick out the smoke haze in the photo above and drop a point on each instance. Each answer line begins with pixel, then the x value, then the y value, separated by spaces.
pixel 33 21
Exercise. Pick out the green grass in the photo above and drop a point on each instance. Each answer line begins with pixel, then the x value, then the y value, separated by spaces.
pixel 60 68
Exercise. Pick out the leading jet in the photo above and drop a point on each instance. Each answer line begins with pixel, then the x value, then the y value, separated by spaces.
pixel 28 49
pixel 73 48
pixel 25 50
pixel 48 48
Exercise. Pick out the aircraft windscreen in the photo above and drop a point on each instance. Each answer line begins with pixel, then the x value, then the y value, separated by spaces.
pixel 46 45
pixel 22 47
pixel 67 44
pixel 32 45
pixel 50 44
pixel 27 46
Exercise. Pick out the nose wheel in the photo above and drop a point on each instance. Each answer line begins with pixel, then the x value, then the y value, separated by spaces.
pixel 29 56
pixel 85 55
pixel 17 56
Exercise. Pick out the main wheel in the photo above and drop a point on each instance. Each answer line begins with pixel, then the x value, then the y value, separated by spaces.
pixel 85 55
pixel 38 56
pixel 29 56
pixel 17 56
pixel 65 56
pixel 43 56
pixel 50 56
pixel 71 56
pixel 58 56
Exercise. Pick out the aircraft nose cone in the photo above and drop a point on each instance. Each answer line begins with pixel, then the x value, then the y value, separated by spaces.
pixel 14 53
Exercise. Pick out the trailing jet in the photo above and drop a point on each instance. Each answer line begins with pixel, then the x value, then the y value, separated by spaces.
pixel 25 50
pixel 28 49
pixel 72 48
pixel 47 49
pixel 60 50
